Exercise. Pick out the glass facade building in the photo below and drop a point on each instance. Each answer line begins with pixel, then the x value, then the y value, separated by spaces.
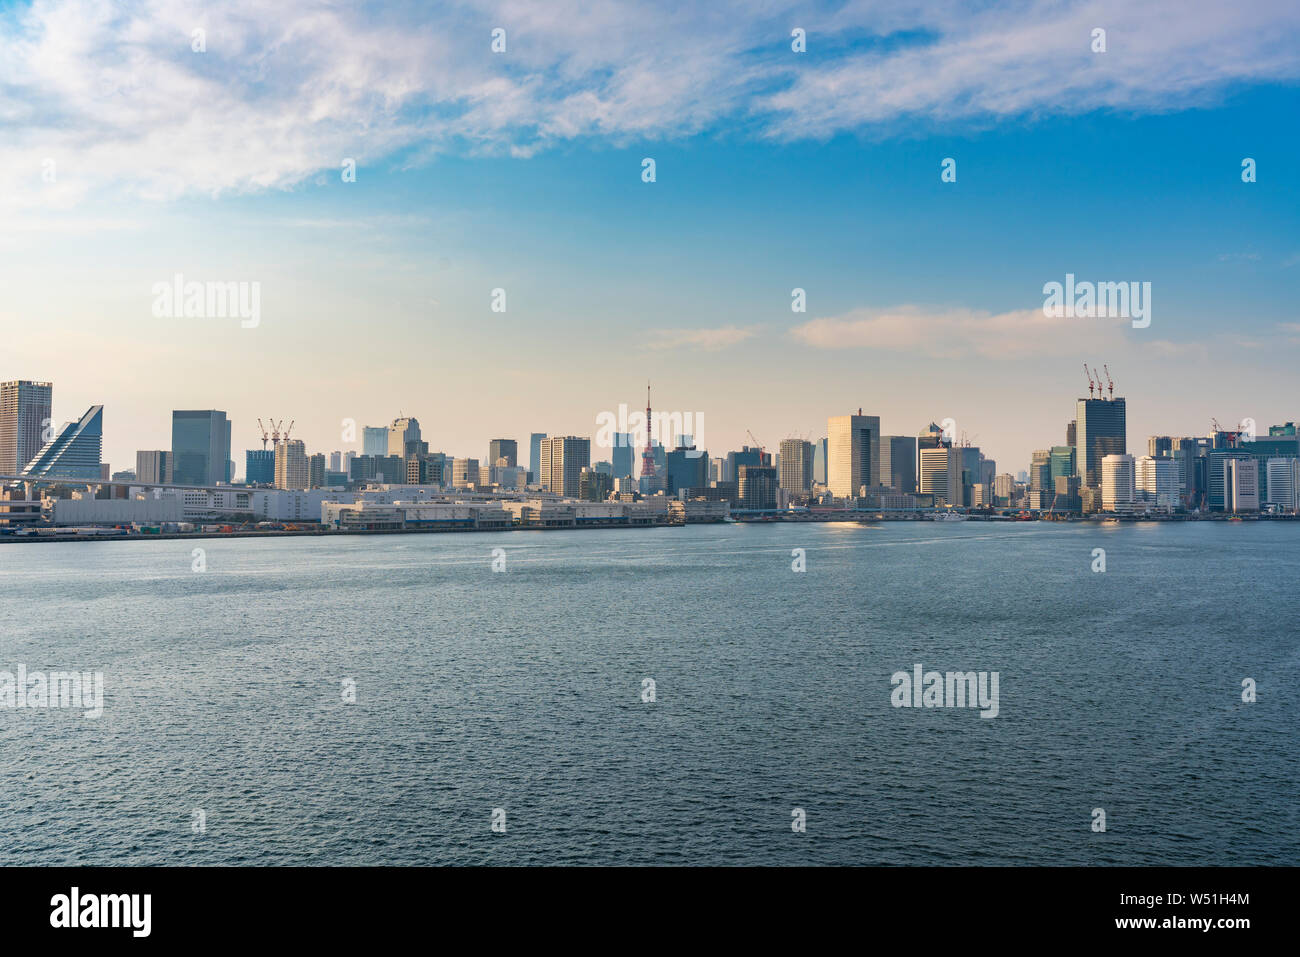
pixel 75 452
pixel 200 447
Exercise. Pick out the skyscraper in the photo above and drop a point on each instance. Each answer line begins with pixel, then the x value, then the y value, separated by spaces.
pixel 941 474
pixel 24 414
pixel 622 453
pixel 1101 430
pixel 898 462
pixel 797 465
pixel 507 449
pixel 819 461
pixel 757 486
pixel 402 431
pixel 853 453
pixel 562 460
pixel 685 467
pixel 154 465
pixel 74 453
pixel 259 466
pixel 1118 481
pixel 535 455
pixel 291 464
pixel 200 447
pixel 374 440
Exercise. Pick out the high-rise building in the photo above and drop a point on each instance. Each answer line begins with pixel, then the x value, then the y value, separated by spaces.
pixel 24 417
pixel 1118 482
pixel 941 475
pixel 757 486
pixel 403 431
pixel 200 447
pixel 898 460
pixel 1217 495
pixel 1061 461
pixel 259 466
pixel 594 486
pixel 316 470
pixel 507 449
pixel 685 467
pixel 1242 484
pixel 1040 470
pixel 796 465
pixel 374 440
pixel 622 453
pixel 1284 483
pixel 1003 488
pixel 291 464
pixel 1157 480
pixel 563 457
pixel 853 453
pixel 464 473
pixel 535 456
pixel 336 461
pixel 734 460
pixel 154 466
pixel 1071 432
pixel 73 453
pixel 1101 431
pixel 820 465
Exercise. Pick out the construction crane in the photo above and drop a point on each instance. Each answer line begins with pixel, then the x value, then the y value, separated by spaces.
pixel 288 430
pixel 1089 375
pixel 1109 385
pixel 265 437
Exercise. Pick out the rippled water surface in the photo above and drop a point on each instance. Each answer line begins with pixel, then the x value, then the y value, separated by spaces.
pixel 523 690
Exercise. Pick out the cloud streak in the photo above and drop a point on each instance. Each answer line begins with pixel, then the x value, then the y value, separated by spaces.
pixel 114 94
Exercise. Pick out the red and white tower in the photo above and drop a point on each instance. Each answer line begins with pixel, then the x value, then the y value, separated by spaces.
pixel 648 456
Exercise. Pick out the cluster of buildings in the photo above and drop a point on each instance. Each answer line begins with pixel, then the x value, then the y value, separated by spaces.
pixel 395 481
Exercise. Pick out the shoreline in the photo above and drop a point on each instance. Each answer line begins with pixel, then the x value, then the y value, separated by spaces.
pixel 323 532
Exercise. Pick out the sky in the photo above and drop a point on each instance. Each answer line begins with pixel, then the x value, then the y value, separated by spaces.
pixel 128 157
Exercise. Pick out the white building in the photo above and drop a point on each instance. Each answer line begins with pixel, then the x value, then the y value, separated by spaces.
pixel 1241 485
pixel 853 453
pixel 1118 483
pixel 1283 476
pixel 1157 481
pixel 294 505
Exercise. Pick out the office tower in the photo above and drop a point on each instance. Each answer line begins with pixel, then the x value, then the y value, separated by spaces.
pixel 1040 470
pixel 796 469
pixel 734 460
pixel 941 475
pixel 336 461
pixel 1061 461
pixel 757 486
pixel 898 462
pixel 1284 483
pixel 316 470
pixel 970 471
pixel 1157 480
pixel 507 449
pixel 259 466
pixel 429 468
pixel 374 440
pixel 1268 447
pixel 291 464
pixel 1282 430
pixel 1160 446
pixel 464 473
pixel 819 461
pixel 1118 481
pixel 988 469
pixel 154 466
pixel 73 453
pixel 1101 431
pixel 1242 485
pixel 852 453
pixel 563 458
pixel 1217 498
pixel 622 453
pixel 24 416
pixel 594 486
pixel 1066 498
pixel 686 467
pixel 1003 488
pixel 535 456
pixel 200 447
pixel 403 431
pixel 1071 432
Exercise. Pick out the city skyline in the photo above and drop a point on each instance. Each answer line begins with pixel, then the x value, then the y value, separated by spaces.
pixel 380 239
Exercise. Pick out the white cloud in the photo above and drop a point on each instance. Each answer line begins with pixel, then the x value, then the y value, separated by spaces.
pixel 709 339
pixel 286 91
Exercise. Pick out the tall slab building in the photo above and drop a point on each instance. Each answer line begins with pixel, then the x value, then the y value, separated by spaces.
pixel 852 453
pixel 24 412
pixel 200 447
pixel 1100 430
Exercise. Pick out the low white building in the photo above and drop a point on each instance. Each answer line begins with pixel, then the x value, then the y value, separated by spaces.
pixel 114 511
pixel 294 505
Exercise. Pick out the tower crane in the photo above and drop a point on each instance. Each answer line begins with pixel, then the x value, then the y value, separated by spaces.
pixel 264 435
pixel 1109 384
pixel 1089 375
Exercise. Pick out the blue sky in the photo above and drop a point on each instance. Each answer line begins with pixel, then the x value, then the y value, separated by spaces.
pixel 774 170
